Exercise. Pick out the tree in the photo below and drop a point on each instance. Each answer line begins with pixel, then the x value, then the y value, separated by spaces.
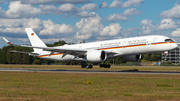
pixel 59 43
pixel 16 58
pixel 37 62
pixel 119 61
pixel 151 57
pixel 146 57
pixel 155 57
pixel 26 59
pixel 2 57
pixel 9 57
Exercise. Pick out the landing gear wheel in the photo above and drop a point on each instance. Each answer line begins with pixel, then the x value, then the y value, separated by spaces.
pixel 87 67
pixel 90 66
pixel 105 65
pixel 82 66
pixel 108 66
pixel 101 65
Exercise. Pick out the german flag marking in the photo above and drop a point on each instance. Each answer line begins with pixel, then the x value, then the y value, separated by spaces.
pixel 32 34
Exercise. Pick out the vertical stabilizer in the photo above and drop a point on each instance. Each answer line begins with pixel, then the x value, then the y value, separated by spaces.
pixel 35 40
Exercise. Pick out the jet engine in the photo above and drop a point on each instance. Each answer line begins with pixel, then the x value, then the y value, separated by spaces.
pixel 132 58
pixel 96 56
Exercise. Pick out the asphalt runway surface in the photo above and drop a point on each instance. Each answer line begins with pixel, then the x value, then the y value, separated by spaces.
pixel 135 71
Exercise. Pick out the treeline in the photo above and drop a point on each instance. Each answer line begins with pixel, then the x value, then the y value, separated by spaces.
pixel 8 57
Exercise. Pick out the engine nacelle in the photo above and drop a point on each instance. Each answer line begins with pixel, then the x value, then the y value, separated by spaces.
pixel 96 56
pixel 132 58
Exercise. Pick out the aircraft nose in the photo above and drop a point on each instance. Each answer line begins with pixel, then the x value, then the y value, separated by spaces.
pixel 175 45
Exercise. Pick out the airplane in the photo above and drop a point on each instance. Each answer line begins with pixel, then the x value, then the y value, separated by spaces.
pixel 130 49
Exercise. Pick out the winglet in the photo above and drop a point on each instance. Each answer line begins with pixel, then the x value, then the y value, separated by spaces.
pixel 7 41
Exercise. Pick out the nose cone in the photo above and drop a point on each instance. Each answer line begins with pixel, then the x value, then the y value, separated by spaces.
pixel 174 45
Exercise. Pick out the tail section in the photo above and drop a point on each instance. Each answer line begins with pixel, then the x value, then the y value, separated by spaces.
pixel 35 40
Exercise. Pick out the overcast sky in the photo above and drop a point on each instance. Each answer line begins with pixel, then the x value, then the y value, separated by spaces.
pixel 76 20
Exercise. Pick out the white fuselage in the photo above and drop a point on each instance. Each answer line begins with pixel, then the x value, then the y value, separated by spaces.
pixel 122 47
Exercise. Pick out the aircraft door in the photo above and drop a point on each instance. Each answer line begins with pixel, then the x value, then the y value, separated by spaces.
pixel 155 41
pixel 148 43
pixel 124 44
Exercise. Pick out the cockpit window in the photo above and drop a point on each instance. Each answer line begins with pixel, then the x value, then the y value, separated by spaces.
pixel 169 40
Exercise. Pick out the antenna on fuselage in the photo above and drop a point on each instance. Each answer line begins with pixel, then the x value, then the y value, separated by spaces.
pixel 137 34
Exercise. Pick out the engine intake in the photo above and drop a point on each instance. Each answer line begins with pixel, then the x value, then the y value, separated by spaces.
pixel 132 58
pixel 96 56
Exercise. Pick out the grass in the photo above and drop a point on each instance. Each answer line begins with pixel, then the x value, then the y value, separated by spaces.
pixel 76 86
pixel 77 67
pixel 164 85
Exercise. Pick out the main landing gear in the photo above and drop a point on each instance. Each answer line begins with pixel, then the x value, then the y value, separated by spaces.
pixel 85 65
pixel 105 65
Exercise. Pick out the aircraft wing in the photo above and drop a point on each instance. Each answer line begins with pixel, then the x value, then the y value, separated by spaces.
pixel 30 53
pixel 8 42
pixel 55 49
pixel 58 49
pixel 65 51
pixel 52 49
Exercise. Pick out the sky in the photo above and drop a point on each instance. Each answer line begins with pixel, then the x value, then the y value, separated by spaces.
pixel 76 20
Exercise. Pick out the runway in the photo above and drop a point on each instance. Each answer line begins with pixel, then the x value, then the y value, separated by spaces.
pixel 135 71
